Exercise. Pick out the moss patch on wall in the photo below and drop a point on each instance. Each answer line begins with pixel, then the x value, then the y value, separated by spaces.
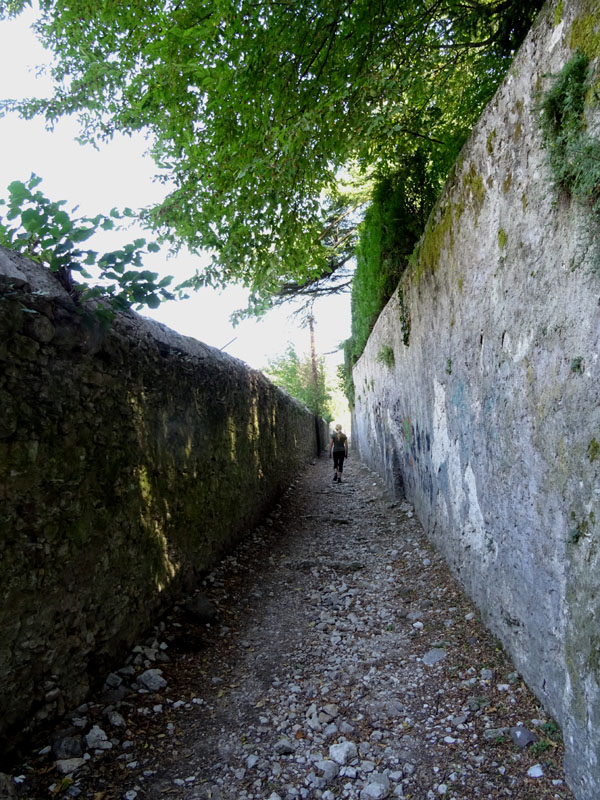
pixel 439 234
pixel 128 464
pixel 584 34
pixel 386 356
pixel 437 237
pixel 473 190
pixel 558 13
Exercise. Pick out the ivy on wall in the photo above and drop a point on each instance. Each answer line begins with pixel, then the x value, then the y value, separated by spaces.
pixel 573 153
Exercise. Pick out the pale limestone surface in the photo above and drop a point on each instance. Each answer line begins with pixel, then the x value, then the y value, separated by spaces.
pixel 485 421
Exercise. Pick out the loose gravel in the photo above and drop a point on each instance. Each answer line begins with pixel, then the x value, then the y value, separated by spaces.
pixel 331 656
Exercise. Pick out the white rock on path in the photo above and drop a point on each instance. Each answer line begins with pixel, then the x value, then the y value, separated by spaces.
pixel 66 766
pixel 433 656
pixel 377 788
pixel 152 680
pixel 97 739
pixel 343 753
pixel 329 769
pixel 535 772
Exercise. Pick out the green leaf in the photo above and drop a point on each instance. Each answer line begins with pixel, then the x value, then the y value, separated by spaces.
pixel 32 220
pixel 82 234
pixel 18 190
pixel 62 219
pixel 152 301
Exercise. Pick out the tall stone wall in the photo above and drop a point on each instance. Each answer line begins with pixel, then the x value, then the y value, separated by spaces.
pixel 489 418
pixel 129 459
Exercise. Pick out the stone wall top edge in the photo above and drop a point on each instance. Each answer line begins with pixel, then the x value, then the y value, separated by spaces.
pixel 29 276
pixel 178 341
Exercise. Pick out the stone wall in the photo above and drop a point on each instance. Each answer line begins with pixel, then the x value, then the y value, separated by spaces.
pixel 489 420
pixel 130 457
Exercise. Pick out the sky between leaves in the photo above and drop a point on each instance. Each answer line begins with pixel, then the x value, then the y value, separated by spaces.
pixel 119 174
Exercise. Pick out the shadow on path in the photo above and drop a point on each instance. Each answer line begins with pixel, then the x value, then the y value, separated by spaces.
pixel 344 662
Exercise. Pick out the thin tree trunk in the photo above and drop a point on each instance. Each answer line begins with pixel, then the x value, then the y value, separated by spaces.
pixel 313 356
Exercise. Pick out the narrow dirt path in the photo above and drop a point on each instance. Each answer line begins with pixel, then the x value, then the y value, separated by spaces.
pixel 344 662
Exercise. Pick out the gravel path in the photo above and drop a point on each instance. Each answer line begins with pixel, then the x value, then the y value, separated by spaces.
pixel 344 662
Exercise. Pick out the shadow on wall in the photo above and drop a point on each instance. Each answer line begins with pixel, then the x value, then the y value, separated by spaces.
pixel 129 460
pixel 204 468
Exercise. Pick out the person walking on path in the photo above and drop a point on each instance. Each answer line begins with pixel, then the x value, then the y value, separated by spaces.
pixel 338 445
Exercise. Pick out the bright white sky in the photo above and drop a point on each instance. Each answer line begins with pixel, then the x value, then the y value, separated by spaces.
pixel 120 175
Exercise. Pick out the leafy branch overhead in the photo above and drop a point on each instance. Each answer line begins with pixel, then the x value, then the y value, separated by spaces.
pixel 253 108
pixel 42 230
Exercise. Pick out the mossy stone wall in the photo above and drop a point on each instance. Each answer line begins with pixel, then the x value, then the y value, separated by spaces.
pixel 130 458
pixel 489 418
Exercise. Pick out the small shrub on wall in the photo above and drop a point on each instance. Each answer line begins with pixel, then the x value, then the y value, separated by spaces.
pixel 573 154
pixel 386 356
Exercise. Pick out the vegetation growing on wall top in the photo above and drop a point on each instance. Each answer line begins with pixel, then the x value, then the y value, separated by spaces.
pixel 392 226
pixel 573 154
pixel 42 230
pixel 561 118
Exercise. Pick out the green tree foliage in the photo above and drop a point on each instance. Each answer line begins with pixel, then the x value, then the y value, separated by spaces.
pixel 252 107
pixel 42 230
pixel 296 376
pixel 393 223
pixel 339 237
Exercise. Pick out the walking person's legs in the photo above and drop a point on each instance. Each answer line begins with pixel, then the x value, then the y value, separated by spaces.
pixel 338 466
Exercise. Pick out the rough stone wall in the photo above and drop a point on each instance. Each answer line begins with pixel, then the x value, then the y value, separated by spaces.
pixel 489 420
pixel 129 459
